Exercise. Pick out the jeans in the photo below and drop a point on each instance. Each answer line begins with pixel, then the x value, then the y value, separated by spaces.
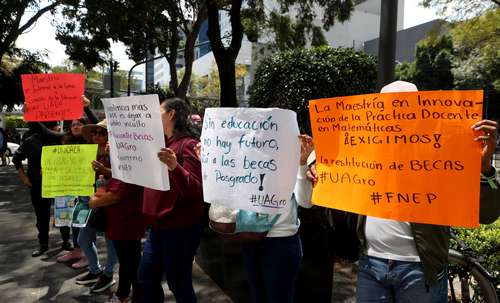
pixel 390 281
pixel 272 265
pixel 75 231
pixel 87 241
pixel 42 212
pixel 129 256
pixel 170 252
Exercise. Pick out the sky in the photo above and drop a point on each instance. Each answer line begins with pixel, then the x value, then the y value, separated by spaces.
pixel 42 35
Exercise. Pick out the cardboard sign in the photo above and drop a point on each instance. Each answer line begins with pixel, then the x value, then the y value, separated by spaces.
pixel 403 156
pixel 53 97
pixel 136 136
pixel 63 210
pixel 250 158
pixel 67 170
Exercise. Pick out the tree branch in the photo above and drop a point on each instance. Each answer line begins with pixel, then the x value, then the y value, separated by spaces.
pixel 38 15
pixel 236 27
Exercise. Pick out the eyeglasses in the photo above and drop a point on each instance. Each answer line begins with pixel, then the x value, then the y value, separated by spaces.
pixel 99 133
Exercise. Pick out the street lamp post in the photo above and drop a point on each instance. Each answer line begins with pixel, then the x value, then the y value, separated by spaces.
pixel 387 41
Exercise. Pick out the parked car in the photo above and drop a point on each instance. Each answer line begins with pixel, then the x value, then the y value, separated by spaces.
pixel 11 149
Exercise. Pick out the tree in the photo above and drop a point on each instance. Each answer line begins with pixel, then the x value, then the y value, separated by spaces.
pixel 477 51
pixel 432 68
pixel 290 79
pixel 77 68
pixel 209 85
pixel 11 92
pixel 253 19
pixel 11 26
pixel 461 9
pixel 142 25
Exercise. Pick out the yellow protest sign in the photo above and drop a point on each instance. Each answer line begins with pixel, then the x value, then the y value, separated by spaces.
pixel 67 170
pixel 405 156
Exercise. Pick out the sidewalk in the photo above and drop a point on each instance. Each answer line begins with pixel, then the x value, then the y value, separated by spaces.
pixel 26 279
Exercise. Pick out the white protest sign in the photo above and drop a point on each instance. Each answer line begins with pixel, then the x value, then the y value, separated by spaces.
pixel 136 136
pixel 250 158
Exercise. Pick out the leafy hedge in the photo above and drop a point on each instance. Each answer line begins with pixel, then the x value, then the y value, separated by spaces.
pixel 290 79
pixel 486 242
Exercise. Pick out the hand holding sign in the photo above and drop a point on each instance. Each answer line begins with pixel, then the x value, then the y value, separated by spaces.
pixel 168 157
pixel 489 139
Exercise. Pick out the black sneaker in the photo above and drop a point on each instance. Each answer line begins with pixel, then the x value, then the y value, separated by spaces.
pixel 40 251
pixel 66 246
pixel 89 278
pixel 104 282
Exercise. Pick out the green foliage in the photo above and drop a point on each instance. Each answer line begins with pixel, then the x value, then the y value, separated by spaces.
pixel 485 240
pixel 477 51
pixel 469 57
pixel 142 26
pixel 290 79
pixel 405 71
pixel 12 121
pixel 10 76
pixel 460 9
pixel 16 17
pixel 297 30
pixel 432 68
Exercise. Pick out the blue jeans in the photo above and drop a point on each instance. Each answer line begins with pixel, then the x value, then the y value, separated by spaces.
pixel 169 252
pixel 87 241
pixel 390 281
pixel 272 265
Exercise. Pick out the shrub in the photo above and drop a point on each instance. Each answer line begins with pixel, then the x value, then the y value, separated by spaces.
pixel 290 79
pixel 485 240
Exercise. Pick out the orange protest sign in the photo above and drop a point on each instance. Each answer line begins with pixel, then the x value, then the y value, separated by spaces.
pixel 405 156
pixel 51 97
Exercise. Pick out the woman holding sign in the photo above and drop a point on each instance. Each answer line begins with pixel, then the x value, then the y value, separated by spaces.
pixel 100 279
pixel 174 216
pixel 73 136
pixel 272 264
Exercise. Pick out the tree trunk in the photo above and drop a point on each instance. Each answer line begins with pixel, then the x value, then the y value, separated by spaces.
pixel 173 84
pixel 189 56
pixel 226 57
pixel 227 76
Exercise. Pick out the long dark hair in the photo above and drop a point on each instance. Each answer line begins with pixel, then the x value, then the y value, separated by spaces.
pixel 183 125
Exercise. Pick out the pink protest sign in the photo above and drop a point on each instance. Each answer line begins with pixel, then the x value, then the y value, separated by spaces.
pixel 51 97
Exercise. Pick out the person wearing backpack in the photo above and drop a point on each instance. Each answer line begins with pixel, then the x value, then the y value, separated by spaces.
pixel 175 217
pixel 272 263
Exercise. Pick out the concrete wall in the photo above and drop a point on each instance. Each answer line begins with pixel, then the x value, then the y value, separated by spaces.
pixel 407 40
pixel 363 25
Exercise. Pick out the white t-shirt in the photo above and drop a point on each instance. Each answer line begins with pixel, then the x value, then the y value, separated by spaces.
pixel 389 239
pixel 288 223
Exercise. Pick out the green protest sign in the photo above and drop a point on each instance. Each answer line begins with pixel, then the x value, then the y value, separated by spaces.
pixel 67 170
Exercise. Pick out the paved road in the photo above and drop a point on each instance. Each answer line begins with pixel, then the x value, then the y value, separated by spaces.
pixel 26 279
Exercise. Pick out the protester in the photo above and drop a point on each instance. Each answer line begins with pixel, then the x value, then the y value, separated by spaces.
pixel 125 227
pixel 272 264
pixel 3 146
pixel 407 262
pixel 174 216
pixel 73 136
pixel 100 279
pixel 31 149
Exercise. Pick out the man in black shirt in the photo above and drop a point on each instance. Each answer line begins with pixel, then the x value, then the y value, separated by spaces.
pixel 31 149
